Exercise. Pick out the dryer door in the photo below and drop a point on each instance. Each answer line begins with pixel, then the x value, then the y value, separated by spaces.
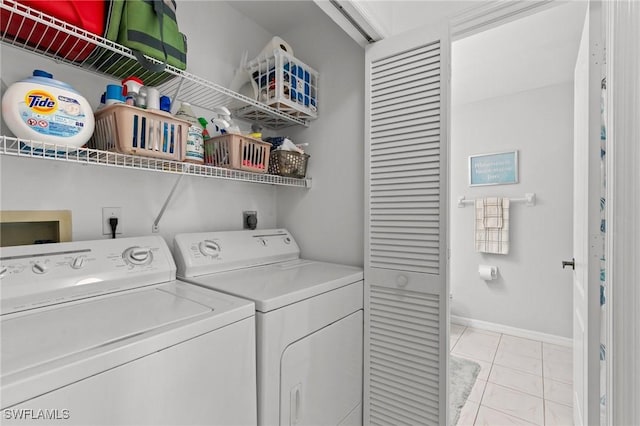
pixel 321 376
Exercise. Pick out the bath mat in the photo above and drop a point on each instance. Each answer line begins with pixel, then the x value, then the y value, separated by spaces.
pixel 462 377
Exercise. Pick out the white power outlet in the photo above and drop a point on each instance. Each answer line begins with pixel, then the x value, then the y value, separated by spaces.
pixel 107 213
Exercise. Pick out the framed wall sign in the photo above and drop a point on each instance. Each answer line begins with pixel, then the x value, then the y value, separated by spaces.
pixel 499 168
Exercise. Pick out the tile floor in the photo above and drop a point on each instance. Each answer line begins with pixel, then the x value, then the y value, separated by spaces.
pixel 521 381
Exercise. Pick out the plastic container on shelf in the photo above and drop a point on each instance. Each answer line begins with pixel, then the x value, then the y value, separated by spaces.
pixel 194 152
pixel 286 84
pixel 132 85
pixel 42 109
pixel 130 130
pixel 237 152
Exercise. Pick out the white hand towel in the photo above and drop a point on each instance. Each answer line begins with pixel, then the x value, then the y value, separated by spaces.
pixel 492 239
pixel 493 212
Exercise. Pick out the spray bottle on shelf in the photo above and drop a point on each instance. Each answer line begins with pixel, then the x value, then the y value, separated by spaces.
pixel 205 132
pixel 195 144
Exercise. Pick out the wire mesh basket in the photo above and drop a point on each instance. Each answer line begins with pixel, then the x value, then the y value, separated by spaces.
pixel 288 164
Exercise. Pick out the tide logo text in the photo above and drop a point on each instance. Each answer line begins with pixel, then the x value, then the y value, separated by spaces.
pixel 41 101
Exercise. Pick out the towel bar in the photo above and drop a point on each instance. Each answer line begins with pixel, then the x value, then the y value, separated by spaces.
pixel 529 199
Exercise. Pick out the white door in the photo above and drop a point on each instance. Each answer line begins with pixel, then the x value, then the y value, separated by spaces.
pixel 581 202
pixel 321 376
pixel 580 229
pixel 406 296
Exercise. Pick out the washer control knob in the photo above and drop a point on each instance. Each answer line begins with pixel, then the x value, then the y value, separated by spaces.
pixel 40 268
pixel 210 248
pixel 3 271
pixel 137 256
pixel 78 262
pixel 287 240
pixel 262 242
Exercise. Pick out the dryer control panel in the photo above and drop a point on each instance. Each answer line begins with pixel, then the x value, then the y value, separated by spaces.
pixel 45 274
pixel 210 252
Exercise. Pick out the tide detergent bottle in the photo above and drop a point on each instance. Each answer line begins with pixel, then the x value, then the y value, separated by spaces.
pixel 42 109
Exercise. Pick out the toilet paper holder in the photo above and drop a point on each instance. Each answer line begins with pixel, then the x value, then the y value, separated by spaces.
pixel 488 272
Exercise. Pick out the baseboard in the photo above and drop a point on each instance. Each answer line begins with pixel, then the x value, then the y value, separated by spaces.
pixel 513 331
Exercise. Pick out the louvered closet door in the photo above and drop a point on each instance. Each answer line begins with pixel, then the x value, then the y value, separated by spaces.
pixel 406 297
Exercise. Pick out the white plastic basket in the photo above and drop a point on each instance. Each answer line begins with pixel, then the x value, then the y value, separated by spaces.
pixel 286 84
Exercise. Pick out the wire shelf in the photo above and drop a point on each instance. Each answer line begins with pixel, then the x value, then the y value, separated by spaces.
pixel 47 151
pixel 58 40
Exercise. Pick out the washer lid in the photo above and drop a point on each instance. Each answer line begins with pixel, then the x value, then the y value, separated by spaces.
pixel 274 286
pixel 42 337
pixel 52 347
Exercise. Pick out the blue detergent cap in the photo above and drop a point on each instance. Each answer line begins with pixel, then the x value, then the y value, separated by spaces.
pixel 40 73
pixel 165 103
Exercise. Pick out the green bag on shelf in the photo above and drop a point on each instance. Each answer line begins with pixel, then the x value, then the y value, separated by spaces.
pixel 149 27
pixel 112 19
pixel 136 24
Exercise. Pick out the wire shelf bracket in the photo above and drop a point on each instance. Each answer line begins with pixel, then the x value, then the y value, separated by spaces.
pixel 155 228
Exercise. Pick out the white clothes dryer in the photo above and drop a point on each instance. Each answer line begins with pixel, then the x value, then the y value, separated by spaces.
pixel 100 333
pixel 309 321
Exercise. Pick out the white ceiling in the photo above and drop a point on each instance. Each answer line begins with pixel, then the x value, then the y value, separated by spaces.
pixel 536 51
pixel 399 16
pixel 278 17
pixel 390 16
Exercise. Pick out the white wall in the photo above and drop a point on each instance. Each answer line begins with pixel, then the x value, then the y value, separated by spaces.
pixel 217 36
pixel 199 204
pixel 327 220
pixel 532 292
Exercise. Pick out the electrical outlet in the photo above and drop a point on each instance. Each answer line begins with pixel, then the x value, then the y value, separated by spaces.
pixel 249 219
pixel 107 213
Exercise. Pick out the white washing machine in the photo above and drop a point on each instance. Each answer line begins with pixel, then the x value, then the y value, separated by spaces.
pixel 309 319
pixel 100 333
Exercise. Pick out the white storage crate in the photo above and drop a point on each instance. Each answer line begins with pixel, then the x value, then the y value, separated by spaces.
pixel 286 84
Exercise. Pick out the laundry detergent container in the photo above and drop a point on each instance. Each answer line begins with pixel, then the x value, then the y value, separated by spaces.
pixel 42 109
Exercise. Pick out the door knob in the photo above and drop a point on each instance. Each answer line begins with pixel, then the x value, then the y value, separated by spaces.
pixel 571 263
